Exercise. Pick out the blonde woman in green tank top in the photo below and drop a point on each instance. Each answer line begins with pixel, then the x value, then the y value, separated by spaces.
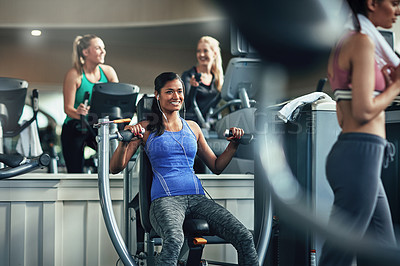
pixel 88 68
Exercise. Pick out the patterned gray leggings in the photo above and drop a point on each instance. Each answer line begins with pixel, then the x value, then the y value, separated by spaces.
pixel 168 214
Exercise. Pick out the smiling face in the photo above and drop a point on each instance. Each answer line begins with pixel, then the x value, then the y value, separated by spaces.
pixel 171 96
pixel 383 13
pixel 205 54
pixel 96 52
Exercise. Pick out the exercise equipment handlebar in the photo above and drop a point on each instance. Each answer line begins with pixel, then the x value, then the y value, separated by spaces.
pixel 103 140
pixel 86 99
pixel 12 160
pixel 245 139
pixel 125 135
pixel 118 121
pixel 19 164
pixel 85 123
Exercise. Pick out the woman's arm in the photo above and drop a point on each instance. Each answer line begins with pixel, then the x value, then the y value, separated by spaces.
pixel 365 107
pixel 70 85
pixel 126 150
pixel 122 155
pixel 214 163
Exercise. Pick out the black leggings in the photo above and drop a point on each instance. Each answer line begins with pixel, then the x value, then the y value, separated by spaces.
pixel 168 213
pixel 353 170
pixel 74 140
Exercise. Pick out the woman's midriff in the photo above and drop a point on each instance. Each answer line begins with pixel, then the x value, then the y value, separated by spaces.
pixel 348 123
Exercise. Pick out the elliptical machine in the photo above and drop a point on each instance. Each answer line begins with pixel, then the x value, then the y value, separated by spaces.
pixel 12 100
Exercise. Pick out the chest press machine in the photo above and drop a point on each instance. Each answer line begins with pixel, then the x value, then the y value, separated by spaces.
pixel 196 231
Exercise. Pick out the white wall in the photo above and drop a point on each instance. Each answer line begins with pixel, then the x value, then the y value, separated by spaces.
pixel 55 220
pixel 48 219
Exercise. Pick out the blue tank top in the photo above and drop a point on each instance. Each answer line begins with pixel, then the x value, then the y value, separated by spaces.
pixel 172 157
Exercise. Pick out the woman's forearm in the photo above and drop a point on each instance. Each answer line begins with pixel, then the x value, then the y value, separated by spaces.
pixel 224 159
pixel 118 159
pixel 72 112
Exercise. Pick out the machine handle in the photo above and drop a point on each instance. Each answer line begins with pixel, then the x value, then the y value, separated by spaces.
pixel 35 100
pixel 86 99
pixel 85 103
pixel 12 160
pixel 85 123
pixel 245 139
pixel 20 165
pixel 127 135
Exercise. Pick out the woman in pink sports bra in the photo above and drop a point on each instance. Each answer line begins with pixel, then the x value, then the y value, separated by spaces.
pixel 354 164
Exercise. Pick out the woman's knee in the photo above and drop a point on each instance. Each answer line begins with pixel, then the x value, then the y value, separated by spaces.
pixel 246 236
pixel 242 237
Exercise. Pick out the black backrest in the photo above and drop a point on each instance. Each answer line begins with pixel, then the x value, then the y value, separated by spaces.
pixel 143 107
pixel 145 171
pixel 145 180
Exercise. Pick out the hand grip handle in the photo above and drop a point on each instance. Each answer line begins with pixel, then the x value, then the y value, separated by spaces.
pixel 127 135
pixel 35 100
pixel 86 99
pixel 245 139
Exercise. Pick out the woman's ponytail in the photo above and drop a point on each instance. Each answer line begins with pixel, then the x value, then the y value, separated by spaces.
pixel 80 43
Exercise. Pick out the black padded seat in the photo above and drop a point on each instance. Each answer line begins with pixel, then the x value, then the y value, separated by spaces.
pixel 195 227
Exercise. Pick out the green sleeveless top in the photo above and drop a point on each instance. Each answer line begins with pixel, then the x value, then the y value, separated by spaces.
pixel 86 85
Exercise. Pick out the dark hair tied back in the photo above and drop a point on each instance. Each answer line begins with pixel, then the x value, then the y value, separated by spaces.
pixel 357 7
pixel 156 122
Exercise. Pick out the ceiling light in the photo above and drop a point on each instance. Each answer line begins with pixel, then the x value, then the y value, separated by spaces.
pixel 36 33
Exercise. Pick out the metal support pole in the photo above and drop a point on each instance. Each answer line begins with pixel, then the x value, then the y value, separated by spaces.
pixel 244 97
pixel 113 142
pixel 105 196
pixel 149 249
pixel 126 194
pixel 1 142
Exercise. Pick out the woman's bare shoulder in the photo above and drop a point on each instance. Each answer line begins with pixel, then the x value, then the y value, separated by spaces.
pixel 106 67
pixel 72 73
pixel 110 73
pixel 72 79
pixel 194 126
pixel 360 42
pixel 357 47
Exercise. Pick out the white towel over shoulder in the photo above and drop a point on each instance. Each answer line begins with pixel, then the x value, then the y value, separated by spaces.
pixel 384 53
